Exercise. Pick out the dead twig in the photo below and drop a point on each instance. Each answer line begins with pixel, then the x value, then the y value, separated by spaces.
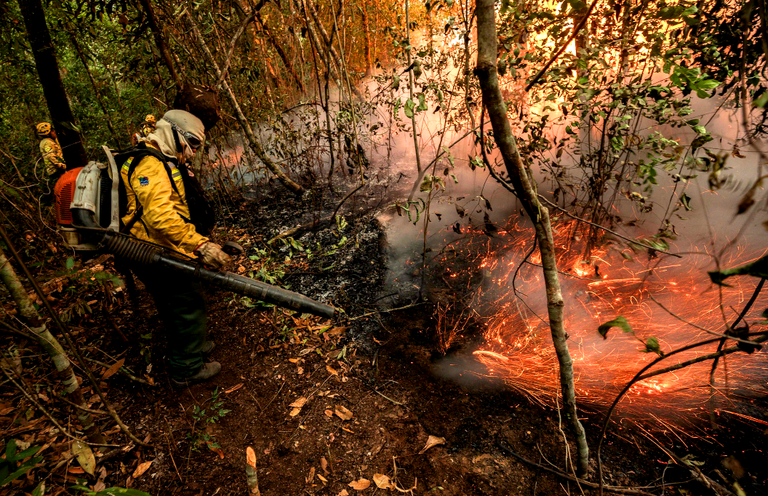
pixel 563 475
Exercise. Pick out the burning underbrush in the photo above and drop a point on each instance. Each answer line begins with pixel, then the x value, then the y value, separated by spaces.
pixel 623 309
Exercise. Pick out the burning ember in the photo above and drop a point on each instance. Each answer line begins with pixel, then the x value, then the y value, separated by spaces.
pixel 667 298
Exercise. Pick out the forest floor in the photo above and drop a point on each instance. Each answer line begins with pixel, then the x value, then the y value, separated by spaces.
pixel 329 408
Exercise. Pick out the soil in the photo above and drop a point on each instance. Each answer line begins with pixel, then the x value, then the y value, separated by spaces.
pixel 334 408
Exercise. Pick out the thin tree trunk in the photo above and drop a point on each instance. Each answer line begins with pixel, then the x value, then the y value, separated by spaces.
pixel 411 83
pixel 279 47
pixel 329 45
pixel 525 188
pixel 367 37
pixel 96 91
pixel 51 346
pixel 157 32
pixel 244 124
pixel 50 79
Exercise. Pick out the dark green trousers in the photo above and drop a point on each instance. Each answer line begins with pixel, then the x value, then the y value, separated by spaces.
pixel 181 306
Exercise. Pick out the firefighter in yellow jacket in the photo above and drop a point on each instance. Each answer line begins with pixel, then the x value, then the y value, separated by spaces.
pixel 53 157
pixel 159 213
pixel 147 127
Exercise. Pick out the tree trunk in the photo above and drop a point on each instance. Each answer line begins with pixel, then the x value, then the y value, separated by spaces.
pixel 283 56
pixel 244 124
pixel 165 53
pixel 525 188
pixel 50 79
pixel 367 37
pixel 95 87
pixel 50 344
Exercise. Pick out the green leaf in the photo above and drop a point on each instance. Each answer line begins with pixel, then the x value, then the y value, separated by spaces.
pixel 686 201
pixel 707 84
pixel 121 490
pixel 652 346
pixel 758 268
pixel 700 129
pixel 39 490
pixel 70 263
pixel 761 100
pixel 408 109
pixel 422 103
pixel 619 322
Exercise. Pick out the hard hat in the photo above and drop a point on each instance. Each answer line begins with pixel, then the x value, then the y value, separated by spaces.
pixel 149 119
pixel 43 128
pixel 189 126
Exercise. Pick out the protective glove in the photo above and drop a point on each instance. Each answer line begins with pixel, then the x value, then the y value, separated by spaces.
pixel 212 255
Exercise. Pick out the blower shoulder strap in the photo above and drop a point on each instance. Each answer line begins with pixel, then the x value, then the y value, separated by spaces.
pixel 128 160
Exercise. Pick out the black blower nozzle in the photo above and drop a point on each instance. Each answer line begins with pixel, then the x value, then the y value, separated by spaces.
pixel 137 252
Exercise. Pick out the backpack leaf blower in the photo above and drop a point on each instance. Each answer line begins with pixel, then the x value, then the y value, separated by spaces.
pixel 88 214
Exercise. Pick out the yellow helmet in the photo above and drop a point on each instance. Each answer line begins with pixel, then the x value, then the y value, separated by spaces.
pixel 150 119
pixel 43 129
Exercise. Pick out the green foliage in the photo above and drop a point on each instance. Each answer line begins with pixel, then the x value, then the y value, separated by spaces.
pixel 650 345
pixel 15 464
pixel 758 268
pixel 112 491
pixel 203 419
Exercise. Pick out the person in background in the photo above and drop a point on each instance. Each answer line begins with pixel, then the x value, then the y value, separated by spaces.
pixel 158 211
pixel 53 158
pixel 147 127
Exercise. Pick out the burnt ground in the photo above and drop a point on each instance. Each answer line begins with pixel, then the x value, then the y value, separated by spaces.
pixel 329 408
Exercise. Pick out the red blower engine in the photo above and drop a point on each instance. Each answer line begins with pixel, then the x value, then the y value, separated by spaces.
pixel 88 214
pixel 87 197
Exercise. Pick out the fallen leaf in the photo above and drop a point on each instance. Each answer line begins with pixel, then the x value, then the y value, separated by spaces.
pixel 324 464
pixel 322 478
pixel 297 406
pixel 215 449
pixel 143 467
pixel 311 475
pixel 431 442
pixel 343 493
pixel 382 481
pixel 337 331
pixel 329 413
pixel 113 369
pixel 343 413
pixel 331 370
pixel 250 457
pixel 294 360
pixel 84 456
pixel 360 484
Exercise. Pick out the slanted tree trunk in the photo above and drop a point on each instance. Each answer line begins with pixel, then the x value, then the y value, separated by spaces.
pixel 50 344
pixel 525 189
pixel 157 32
pixel 50 79
pixel 244 124
pixel 278 46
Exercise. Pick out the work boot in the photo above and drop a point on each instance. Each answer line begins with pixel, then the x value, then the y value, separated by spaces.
pixel 207 371
pixel 207 348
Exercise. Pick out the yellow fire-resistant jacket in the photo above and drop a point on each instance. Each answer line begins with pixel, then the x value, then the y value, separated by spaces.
pixel 165 217
pixel 52 156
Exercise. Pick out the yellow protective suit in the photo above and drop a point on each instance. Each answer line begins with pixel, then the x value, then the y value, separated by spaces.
pixel 165 216
pixel 52 156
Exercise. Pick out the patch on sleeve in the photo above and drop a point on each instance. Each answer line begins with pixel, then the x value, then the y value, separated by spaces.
pixel 143 181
